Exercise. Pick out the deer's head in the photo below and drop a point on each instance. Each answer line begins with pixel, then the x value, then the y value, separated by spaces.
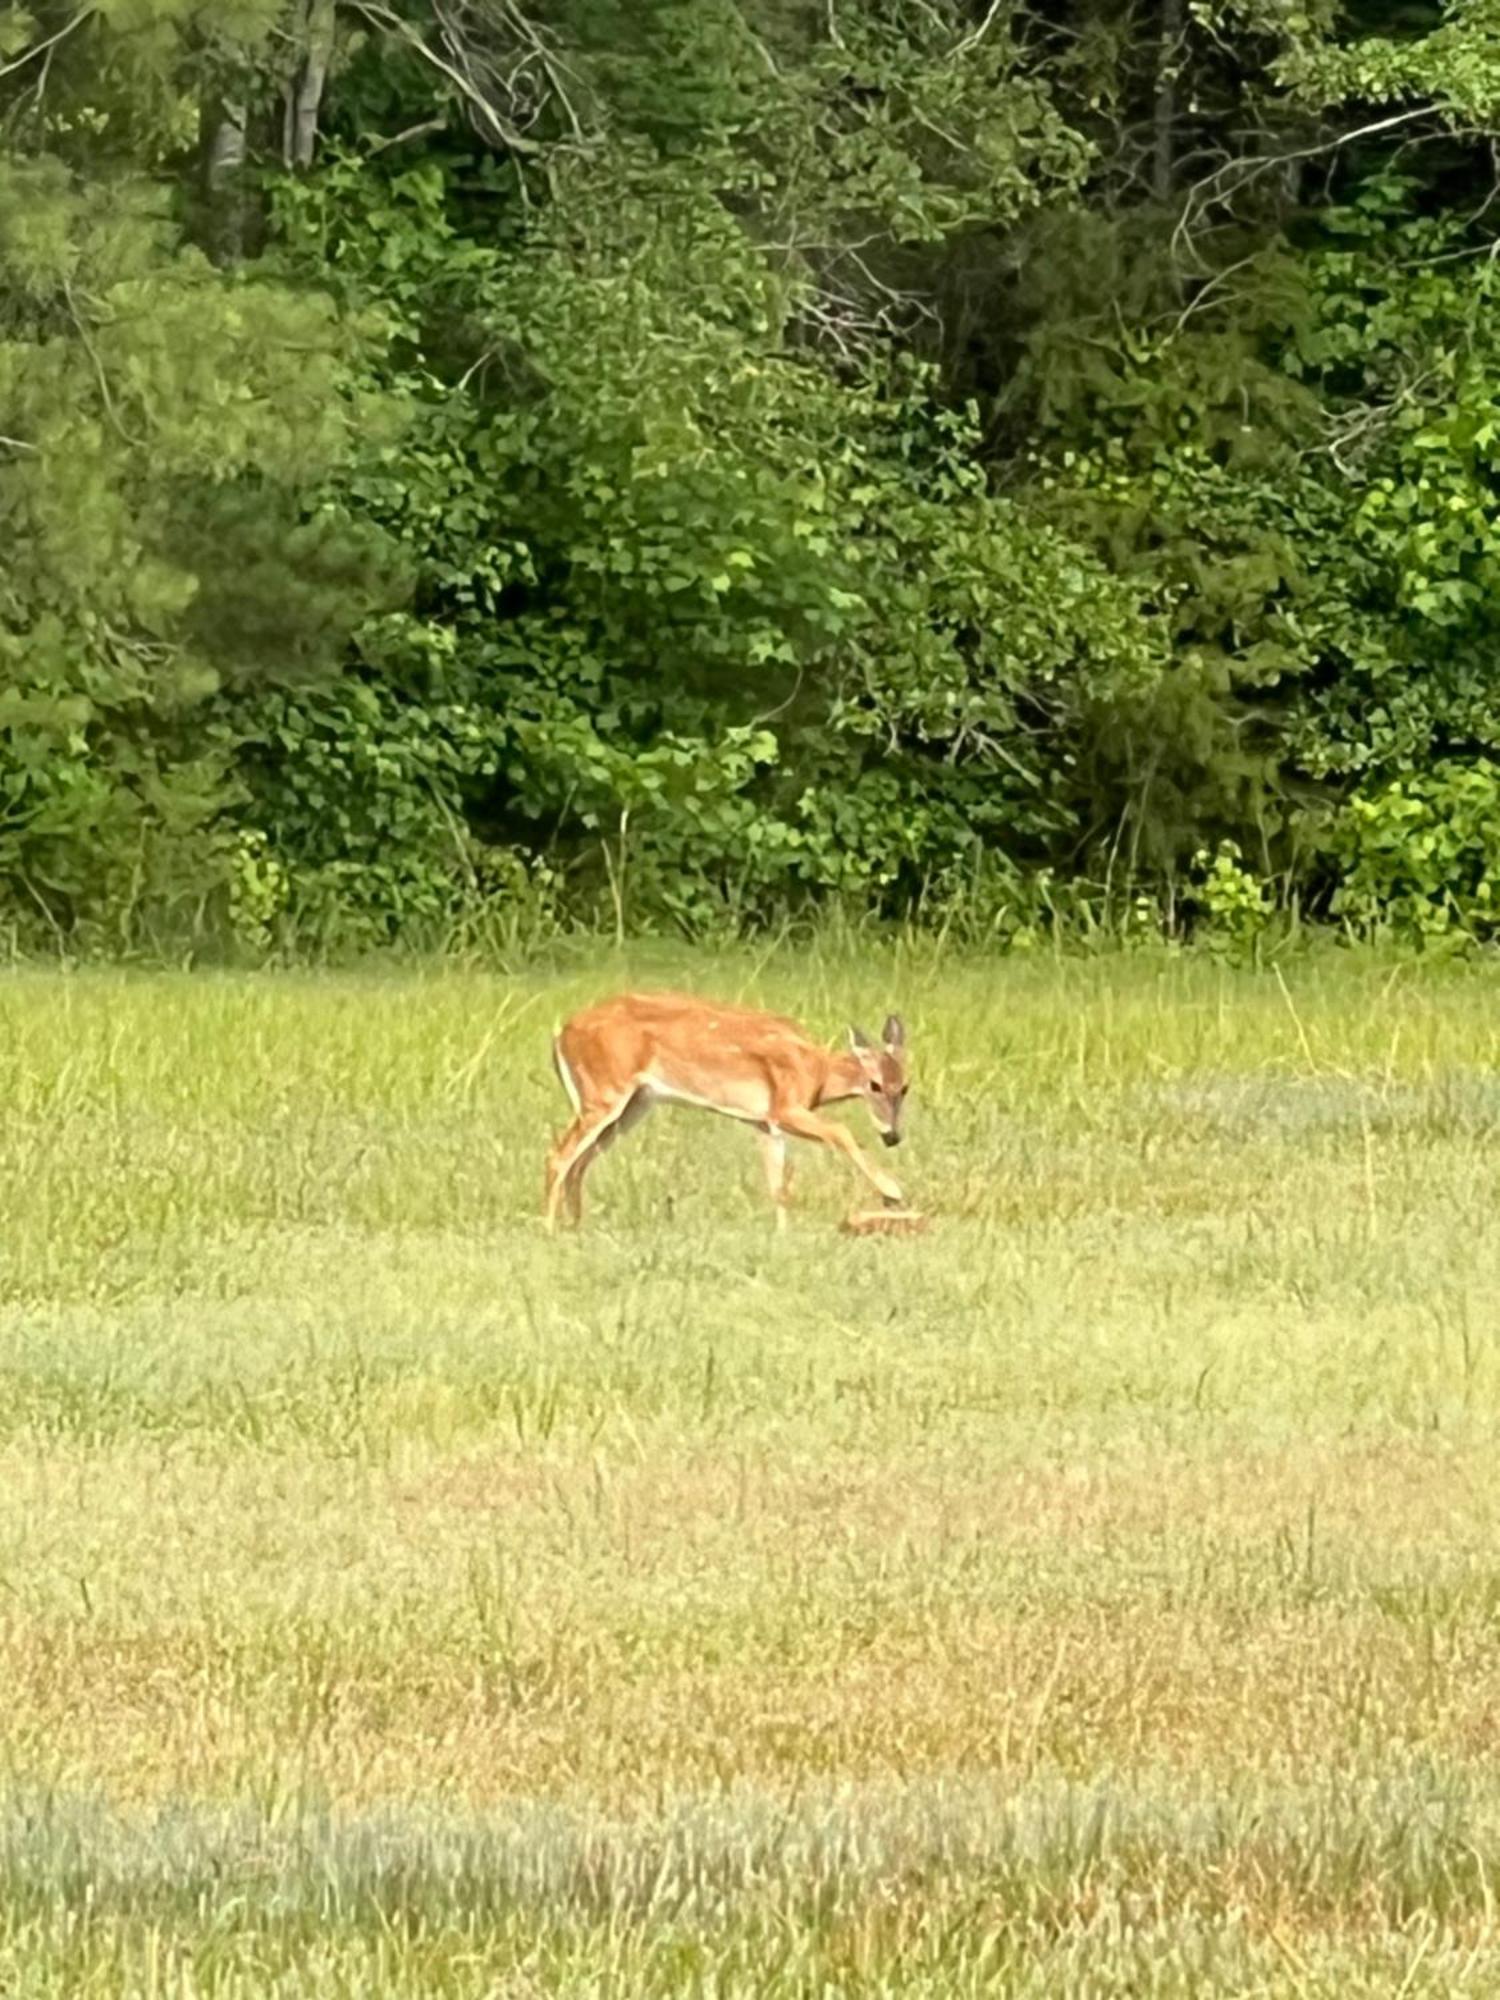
pixel 884 1072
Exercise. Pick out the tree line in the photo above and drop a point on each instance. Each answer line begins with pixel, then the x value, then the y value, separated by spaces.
pixel 687 463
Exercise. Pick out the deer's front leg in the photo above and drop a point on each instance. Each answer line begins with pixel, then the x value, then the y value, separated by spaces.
pixel 773 1161
pixel 824 1132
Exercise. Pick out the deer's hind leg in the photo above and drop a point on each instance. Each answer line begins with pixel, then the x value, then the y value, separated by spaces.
pixel 634 1111
pixel 590 1121
pixel 580 1138
pixel 559 1162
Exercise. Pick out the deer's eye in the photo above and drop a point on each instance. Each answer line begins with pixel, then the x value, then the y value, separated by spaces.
pixel 876 1088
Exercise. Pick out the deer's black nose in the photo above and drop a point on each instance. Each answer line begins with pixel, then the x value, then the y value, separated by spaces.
pixel 891 1138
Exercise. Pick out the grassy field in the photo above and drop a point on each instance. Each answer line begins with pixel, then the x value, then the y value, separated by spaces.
pixel 1100 1596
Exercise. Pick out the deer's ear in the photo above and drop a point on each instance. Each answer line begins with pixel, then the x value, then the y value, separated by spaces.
pixel 860 1042
pixel 895 1032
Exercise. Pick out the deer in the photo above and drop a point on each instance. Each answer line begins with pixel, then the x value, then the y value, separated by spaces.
pixel 618 1058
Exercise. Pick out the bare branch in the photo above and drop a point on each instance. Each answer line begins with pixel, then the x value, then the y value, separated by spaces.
pixel 504 68
pixel 1229 179
pixel 486 116
pixel 1200 299
pixel 103 380
pixel 44 48
pixel 973 39
pixel 422 131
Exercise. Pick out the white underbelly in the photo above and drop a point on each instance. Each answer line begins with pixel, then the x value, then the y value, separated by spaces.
pixel 664 1091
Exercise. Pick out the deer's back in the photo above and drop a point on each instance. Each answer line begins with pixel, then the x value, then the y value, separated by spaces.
pixel 681 1041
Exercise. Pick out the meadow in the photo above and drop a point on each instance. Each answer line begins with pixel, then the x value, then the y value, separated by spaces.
pixel 1098 1596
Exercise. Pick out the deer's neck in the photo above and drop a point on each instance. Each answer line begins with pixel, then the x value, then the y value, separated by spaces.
pixel 843 1077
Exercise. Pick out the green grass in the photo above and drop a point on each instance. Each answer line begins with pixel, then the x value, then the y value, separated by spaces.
pixel 1099 1596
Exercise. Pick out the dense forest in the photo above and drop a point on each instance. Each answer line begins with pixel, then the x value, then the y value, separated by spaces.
pixel 687 463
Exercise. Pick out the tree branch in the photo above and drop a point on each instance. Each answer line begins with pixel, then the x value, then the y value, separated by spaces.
pixel 422 131
pixel 972 40
pixel 1227 180
pixel 93 354
pixel 43 48
pixel 486 115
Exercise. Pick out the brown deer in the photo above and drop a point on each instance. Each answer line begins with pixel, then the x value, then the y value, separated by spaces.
pixel 617 1059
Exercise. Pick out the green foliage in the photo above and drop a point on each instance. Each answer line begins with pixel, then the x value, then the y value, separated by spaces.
pixel 257 892
pixel 360 795
pixel 1402 346
pixel 161 427
pixel 1235 904
pixel 1446 57
pixel 672 464
pixel 1303 482
pixel 1422 855
pixel 717 625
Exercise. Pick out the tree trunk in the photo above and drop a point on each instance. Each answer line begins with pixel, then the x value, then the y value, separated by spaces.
pixel 304 98
pixel 223 140
pixel 1168 56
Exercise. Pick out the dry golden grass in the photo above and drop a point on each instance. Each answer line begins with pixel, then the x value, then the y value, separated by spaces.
pixel 1097 1595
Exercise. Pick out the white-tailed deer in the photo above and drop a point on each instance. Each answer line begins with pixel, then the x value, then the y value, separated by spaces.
pixel 619 1058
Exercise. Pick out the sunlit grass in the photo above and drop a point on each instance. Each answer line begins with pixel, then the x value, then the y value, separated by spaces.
pixel 1098 1596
